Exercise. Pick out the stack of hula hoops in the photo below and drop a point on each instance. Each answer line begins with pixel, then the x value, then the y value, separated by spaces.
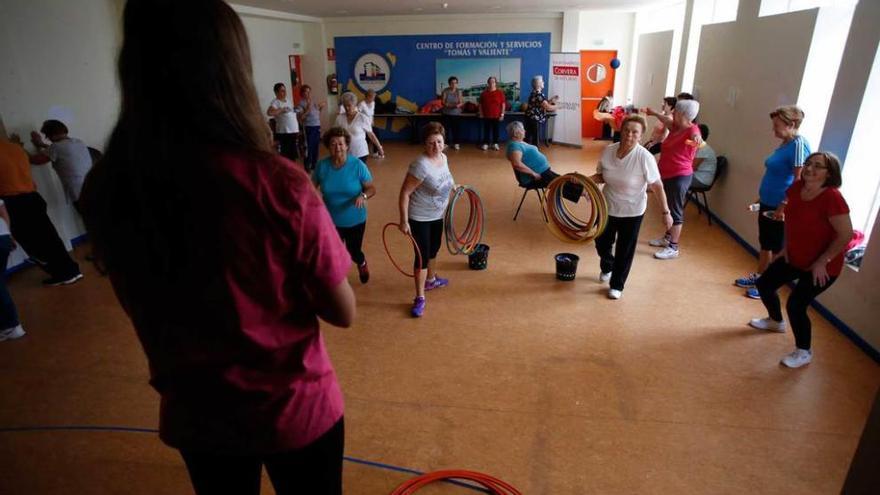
pixel 563 222
pixel 466 241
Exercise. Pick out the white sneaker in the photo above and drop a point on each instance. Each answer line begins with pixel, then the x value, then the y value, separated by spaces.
pixel 798 358
pixel 661 242
pixel 484 147
pixel 614 294
pixel 666 253
pixel 495 147
pixel 456 146
pixel 15 332
pixel 604 277
pixel 768 324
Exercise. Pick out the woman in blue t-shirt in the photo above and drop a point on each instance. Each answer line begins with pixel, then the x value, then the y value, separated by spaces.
pixel 783 167
pixel 531 167
pixel 346 184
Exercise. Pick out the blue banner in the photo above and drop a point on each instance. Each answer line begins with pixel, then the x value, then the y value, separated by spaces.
pixel 406 72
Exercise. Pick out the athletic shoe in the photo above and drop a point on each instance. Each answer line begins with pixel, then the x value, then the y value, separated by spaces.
pixel 768 324
pixel 604 277
pixel 56 281
pixel 747 281
pixel 418 307
pixel 666 253
pixel 797 358
pixel 614 294
pixel 436 283
pixel 661 242
pixel 364 272
pixel 753 293
pixel 484 147
pixel 495 147
pixel 15 332
pixel 456 146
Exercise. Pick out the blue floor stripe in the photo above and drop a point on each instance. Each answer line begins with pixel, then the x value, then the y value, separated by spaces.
pixel 129 429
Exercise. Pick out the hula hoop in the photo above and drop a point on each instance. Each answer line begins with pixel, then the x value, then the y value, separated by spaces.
pixel 387 252
pixel 563 222
pixel 494 485
pixel 466 242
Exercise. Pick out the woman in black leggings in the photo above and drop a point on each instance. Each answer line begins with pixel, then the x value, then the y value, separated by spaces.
pixel 817 230
pixel 423 199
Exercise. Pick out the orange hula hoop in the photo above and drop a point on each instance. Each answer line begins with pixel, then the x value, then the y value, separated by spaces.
pixel 390 258
pixel 494 485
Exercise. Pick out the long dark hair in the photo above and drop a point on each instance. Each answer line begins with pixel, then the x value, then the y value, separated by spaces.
pixel 152 204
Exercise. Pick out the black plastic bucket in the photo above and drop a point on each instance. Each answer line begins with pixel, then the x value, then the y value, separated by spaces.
pixel 566 266
pixel 479 259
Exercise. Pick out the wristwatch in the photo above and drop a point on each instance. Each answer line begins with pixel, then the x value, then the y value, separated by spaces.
pixel 364 195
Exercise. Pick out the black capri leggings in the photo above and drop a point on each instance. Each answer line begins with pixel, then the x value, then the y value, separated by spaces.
pixel 779 273
pixel 428 236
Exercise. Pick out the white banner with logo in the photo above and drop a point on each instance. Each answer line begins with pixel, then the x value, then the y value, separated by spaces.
pixel 565 83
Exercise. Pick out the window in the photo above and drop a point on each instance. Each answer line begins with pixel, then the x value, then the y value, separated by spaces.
pixel 861 175
pixel 775 7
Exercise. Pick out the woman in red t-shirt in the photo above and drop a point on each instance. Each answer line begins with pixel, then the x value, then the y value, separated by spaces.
pixel 817 230
pixel 492 103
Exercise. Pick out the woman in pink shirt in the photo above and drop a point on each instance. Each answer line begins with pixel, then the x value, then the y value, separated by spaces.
pixel 677 168
pixel 223 256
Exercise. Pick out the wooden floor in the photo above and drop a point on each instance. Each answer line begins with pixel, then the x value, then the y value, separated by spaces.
pixel 545 384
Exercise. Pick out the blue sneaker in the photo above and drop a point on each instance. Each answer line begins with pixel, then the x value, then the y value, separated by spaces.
pixel 752 293
pixel 418 307
pixel 436 283
pixel 747 281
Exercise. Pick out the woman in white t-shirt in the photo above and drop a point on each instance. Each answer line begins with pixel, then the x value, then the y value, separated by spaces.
pixel 359 126
pixel 627 169
pixel 286 125
pixel 10 327
pixel 424 196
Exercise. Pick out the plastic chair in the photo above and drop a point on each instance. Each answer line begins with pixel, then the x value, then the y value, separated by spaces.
pixel 527 185
pixel 695 191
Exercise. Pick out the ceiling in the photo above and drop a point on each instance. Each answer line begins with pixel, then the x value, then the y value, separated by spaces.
pixel 356 8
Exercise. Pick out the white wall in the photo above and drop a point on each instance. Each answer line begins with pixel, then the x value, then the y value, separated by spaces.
pixel 272 42
pixel 58 58
pixel 604 30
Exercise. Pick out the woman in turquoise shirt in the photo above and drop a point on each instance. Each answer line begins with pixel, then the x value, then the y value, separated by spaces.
pixel 783 167
pixel 531 167
pixel 346 184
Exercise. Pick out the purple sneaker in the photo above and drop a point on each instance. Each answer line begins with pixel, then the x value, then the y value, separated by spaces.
pixel 418 307
pixel 436 283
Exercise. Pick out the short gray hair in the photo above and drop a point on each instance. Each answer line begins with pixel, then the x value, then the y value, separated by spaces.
pixel 538 78
pixel 688 108
pixel 349 97
pixel 515 127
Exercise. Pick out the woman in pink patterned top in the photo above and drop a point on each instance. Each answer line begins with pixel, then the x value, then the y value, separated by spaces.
pixel 223 256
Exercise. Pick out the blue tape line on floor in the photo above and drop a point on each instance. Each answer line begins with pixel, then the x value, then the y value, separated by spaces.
pixel 128 429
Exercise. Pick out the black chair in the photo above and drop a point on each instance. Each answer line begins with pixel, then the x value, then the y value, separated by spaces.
pixel 95 154
pixel 527 184
pixel 696 190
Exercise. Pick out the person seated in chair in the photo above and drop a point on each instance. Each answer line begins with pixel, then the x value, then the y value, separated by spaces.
pixel 531 166
pixel 705 162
